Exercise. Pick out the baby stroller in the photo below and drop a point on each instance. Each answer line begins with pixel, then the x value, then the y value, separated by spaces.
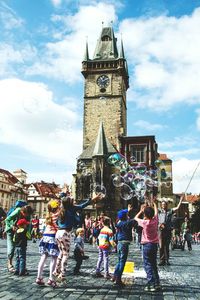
pixel 177 241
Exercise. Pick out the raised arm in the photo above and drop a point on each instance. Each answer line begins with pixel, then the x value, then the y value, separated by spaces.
pixel 140 212
pixel 179 204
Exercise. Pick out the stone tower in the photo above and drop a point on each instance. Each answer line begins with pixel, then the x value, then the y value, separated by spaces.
pixel 105 86
pixel 104 120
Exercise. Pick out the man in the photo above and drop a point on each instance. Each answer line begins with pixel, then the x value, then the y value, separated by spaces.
pixel 165 228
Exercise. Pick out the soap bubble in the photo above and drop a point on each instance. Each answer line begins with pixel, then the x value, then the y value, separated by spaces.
pixel 126 192
pixel 100 189
pixel 115 158
pixel 140 168
pixel 118 180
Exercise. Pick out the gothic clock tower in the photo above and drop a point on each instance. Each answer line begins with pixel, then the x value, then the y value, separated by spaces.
pixel 106 83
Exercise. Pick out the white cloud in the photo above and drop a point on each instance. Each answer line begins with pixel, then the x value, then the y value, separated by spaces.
pixel 56 176
pixel 29 118
pixel 14 56
pixel 148 126
pixel 186 175
pixel 62 59
pixel 164 55
pixel 56 3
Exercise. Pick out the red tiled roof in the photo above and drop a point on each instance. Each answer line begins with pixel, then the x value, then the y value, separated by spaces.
pixel 163 156
pixel 192 198
pixel 47 189
pixel 11 178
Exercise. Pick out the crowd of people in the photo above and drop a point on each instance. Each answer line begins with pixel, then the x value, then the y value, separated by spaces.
pixel 152 226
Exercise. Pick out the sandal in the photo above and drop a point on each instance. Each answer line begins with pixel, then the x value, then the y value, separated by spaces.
pixel 40 281
pixel 11 269
pixel 52 283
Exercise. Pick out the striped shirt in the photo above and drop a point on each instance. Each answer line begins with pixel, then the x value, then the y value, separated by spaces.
pixel 53 227
pixel 106 238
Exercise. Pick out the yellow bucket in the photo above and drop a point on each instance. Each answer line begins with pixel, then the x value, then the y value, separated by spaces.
pixel 129 267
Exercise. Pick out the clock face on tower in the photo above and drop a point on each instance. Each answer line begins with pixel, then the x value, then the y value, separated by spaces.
pixel 103 81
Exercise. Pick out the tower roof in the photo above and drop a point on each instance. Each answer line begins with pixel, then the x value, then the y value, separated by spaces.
pixel 102 146
pixel 121 55
pixel 86 54
pixel 106 47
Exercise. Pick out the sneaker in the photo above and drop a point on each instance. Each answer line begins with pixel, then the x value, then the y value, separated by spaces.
pixel 158 287
pixel 52 283
pixel 119 284
pixel 113 278
pixel 162 263
pixel 24 273
pixel 149 288
pixel 40 281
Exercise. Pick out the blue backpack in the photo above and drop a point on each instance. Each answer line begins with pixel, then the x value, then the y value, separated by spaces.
pixel 19 203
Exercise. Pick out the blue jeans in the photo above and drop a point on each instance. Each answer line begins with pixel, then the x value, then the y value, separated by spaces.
pixel 20 259
pixel 150 263
pixel 122 249
pixel 103 257
pixel 10 244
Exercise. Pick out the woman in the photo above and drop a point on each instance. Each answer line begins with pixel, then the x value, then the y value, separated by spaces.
pixel 10 222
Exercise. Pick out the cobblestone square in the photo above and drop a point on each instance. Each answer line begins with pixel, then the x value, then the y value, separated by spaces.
pixel 180 280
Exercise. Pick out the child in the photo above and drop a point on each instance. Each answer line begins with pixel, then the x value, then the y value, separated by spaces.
pixel 66 221
pixel 20 240
pixel 47 245
pixel 79 250
pixel 124 237
pixel 150 242
pixel 105 242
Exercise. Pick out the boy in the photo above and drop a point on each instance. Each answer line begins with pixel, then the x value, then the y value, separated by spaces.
pixel 105 240
pixel 20 240
pixel 79 250
pixel 150 242
pixel 124 237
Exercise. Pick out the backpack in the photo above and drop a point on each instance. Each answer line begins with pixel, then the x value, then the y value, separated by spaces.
pixel 19 203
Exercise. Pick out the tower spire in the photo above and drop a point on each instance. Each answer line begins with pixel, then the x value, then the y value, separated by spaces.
pixel 86 55
pixel 122 55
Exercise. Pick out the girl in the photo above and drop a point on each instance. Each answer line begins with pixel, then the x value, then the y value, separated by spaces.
pixel 47 245
pixel 149 241
pixel 66 221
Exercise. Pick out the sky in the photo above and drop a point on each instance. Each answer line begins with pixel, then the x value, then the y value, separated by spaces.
pixel 42 45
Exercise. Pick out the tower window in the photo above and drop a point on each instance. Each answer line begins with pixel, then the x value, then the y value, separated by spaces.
pixel 139 152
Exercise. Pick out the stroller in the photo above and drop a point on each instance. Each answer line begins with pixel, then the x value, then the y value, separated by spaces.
pixel 177 241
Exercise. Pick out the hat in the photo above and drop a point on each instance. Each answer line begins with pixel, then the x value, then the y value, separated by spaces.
pixel 22 222
pixel 122 213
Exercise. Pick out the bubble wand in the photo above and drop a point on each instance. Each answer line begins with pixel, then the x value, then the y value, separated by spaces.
pixel 192 177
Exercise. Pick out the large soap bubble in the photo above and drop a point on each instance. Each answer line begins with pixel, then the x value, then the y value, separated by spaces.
pixel 116 159
pixel 118 180
pixel 100 189
pixel 126 192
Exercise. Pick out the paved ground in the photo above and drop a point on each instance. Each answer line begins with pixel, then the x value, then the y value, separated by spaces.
pixel 179 281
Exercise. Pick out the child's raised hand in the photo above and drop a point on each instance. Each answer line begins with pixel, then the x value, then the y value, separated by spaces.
pixel 130 207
